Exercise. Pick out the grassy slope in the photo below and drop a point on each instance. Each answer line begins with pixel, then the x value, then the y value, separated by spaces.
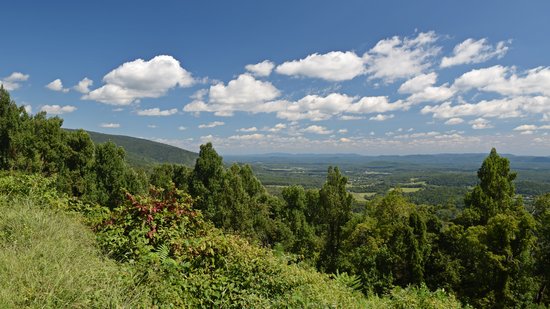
pixel 48 259
pixel 141 152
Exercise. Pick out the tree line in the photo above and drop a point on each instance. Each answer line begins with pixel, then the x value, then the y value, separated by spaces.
pixel 491 254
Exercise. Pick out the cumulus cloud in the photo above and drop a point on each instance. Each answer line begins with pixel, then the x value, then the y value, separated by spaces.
pixel 396 57
pixel 278 127
pixel 255 136
pixel 504 81
pixel 497 108
pixel 182 128
pixel 315 129
pixel 526 127
pixel 530 128
pixel 251 129
pixel 141 79
pixel 211 124
pixel 343 131
pixel 57 85
pixel 13 81
pixel 480 123
pixel 157 112
pixel 249 95
pixel 242 94
pixel 110 125
pixel 454 121
pixel 58 109
pixel 472 51
pixel 261 69
pixel 152 126
pixel 84 85
pixel 350 117
pixel 28 109
pixel 381 117
pixel 422 90
pixel 333 66
pixel 243 90
pixel 316 108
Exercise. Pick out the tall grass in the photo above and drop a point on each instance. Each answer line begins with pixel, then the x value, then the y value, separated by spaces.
pixel 48 259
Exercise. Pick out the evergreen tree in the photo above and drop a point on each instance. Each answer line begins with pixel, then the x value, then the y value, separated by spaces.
pixel 207 179
pixel 542 216
pixel 335 208
pixel 498 243
pixel 12 118
pixel 495 192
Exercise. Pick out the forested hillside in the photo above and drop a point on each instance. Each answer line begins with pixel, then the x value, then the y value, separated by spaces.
pixel 212 236
pixel 143 153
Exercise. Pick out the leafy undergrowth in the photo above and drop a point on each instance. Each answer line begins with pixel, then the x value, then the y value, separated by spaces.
pixel 155 251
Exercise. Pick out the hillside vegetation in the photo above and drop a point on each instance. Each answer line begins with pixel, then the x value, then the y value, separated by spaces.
pixel 143 153
pixel 212 235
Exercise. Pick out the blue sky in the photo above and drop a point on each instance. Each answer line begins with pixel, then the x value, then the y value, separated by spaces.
pixel 367 77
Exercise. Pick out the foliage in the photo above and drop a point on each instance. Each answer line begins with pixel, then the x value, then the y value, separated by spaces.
pixel 496 239
pixel 542 216
pixel 335 211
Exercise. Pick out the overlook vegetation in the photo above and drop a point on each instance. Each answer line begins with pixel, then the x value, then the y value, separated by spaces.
pixel 80 227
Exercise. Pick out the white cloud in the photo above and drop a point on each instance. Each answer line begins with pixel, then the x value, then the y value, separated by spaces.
pixel 317 130
pixel 397 57
pixel 182 128
pixel 141 79
pixel 13 81
pixel 262 69
pixel 278 127
pixel 381 117
pixel 152 126
pixel 497 108
pixel 350 117
pixel 316 108
pixel 57 85
pixel 312 107
pixel 343 131
pixel 345 140
pixel 526 127
pixel 84 85
pixel 255 136
pixel 418 83
pixel 157 112
pixel 242 94
pixel 454 121
pixel 471 51
pixel 211 124
pixel 110 125
pixel 251 129
pixel 480 123
pixel 243 90
pixel 505 81
pixel 422 90
pixel 333 66
pixel 28 109
pixel 57 109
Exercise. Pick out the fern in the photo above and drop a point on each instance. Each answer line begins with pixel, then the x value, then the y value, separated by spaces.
pixel 353 281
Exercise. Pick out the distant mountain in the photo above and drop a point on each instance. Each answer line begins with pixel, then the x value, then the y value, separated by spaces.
pixel 143 153
pixel 462 161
